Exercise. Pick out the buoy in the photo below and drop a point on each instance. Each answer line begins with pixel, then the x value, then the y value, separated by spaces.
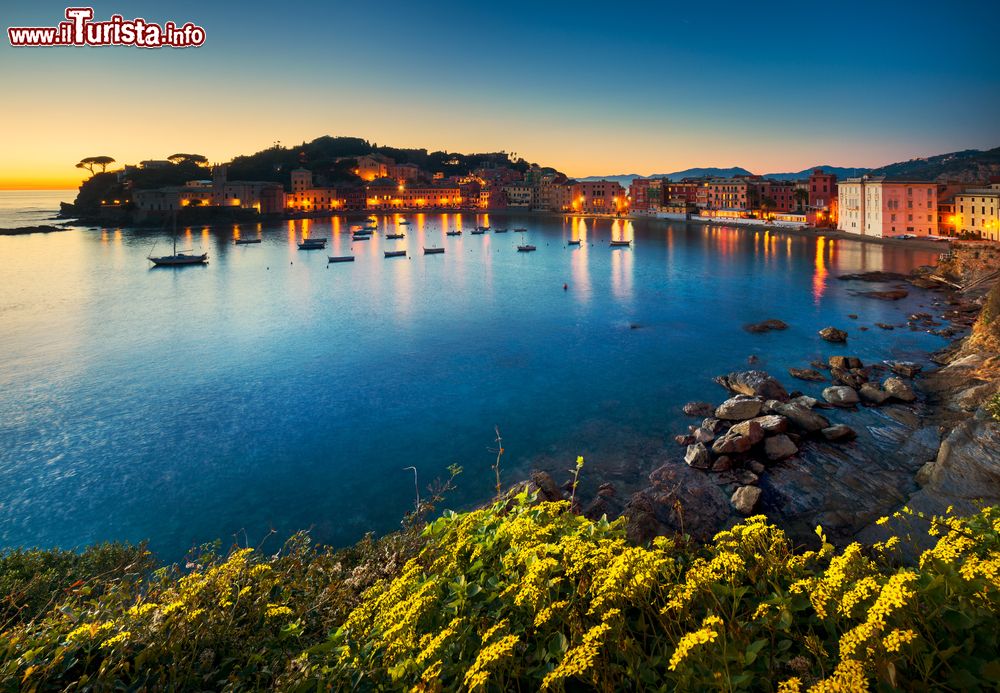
pixel 565 286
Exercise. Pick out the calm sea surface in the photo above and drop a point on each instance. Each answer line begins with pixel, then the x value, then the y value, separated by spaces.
pixel 270 390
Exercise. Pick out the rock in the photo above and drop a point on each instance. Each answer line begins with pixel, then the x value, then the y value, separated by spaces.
pixel 547 488
pixel 853 378
pixel 805 401
pixel 703 435
pixel 772 424
pixel 841 396
pixel 972 397
pixel 806 374
pixel 739 408
pixel 723 463
pixel 832 334
pixel 755 383
pixel 899 390
pixel 756 467
pixel 679 499
pixel 752 359
pixel 766 326
pixel 606 490
pixel 779 447
pixel 839 433
pixel 907 369
pixel 803 417
pixel 697 456
pixel 873 394
pixel 698 409
pixel 749 429
pixel 685 440
pixel 853 316
pixel 845 362
pixel 745 499
pixel 891 295
pixel 714 425
pixel 875 276
pixel 884 326
pixel 731 444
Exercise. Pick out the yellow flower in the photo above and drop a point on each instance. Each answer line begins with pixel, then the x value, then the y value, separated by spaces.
pixel 478 673
pixel 274 611
pixel 792 685
pixel 579 659
pixel 118 639
pixel 708 633
pixel 896 639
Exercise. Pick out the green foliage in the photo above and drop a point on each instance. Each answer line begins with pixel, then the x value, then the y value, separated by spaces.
pixel 527 596
pixel 992 406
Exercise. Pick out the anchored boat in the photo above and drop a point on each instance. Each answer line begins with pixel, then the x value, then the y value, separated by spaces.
pixel 247 241
pixel 500 231
pixel 340 258
pixel 361 237
pixel 395 253
pixel 619 244
pixel 312 244
pixel 526 248
pixel 178 259
pixel 521 230
pixel 573 241
pixel 452 233
pixel 394 235
pixel 433 251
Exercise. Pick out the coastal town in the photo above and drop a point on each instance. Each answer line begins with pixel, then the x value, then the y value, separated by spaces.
pixel 871 206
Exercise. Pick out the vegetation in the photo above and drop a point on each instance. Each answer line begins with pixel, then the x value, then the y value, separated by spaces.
pixel 524 596
pixel 90 162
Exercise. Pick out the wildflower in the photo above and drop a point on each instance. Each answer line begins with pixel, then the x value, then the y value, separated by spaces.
pixel 478 673
pixel 792 685
pixel 706 634
pixel 118 639
pixel 275 610
pixel 89 631
pixel 581 658
pixel 848 676
pixel 897 638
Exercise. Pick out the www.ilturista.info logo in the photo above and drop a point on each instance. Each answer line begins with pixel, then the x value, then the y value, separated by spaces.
pixel 79 30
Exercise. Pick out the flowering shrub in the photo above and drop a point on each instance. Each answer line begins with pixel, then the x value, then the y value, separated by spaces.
pixel 531 596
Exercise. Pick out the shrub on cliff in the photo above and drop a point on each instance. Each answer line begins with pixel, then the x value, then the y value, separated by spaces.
pixel 526 596
pixel 986 330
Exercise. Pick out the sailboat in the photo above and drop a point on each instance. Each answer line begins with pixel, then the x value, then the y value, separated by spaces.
pixel 178 259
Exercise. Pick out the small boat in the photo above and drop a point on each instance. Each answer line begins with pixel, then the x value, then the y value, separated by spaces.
pixel 433 251
pixel 619 244
pixel 482 228
pixel 370 228
pixel 312 244
pixel 340 258
pixel 394 235
pixel 247 241
pixel 178 259
pixel 521 230
pixel 395 253
pixel 500 231
pixel 404 222
pixel 479 232
pixel 573 241
pixel 452 233
pixel 361 237
pixel 526 248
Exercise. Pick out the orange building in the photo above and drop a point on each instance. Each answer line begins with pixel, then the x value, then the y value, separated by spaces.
pixel 599 197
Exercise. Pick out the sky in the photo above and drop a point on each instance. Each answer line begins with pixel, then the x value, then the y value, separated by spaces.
pixel 589 88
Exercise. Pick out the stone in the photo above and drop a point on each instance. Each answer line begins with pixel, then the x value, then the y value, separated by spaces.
pixel 745 498
pixel 750 429
pixel 806 374
pixel 890 295
pixel 755 383
pixel 884 326
pixel 907 369
pixel 803 417
pixel 703 435
pixel 684 440
pixel 700 409
pixel 853 378
pixel 752 359
pixel 739 408
pixel 841 396
pixel 547 488
pixel 779 447
pixel 853 316
pixel 805 401
pixel 873 394
pixel 723 463
pixel 606 490
pixel 845 362
pixel 697 456
pixel 832 334
pixel 839 433
pixel 899 389
pixel 731 444
pixel 766 326
pixel 772 424
pixel 972 397
pixel 756 467
pixel 714 425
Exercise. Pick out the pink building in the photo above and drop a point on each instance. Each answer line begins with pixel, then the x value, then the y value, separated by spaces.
pixel 599 197
pixel 882 208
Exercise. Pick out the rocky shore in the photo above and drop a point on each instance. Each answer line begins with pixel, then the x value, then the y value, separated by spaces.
pixel 765 448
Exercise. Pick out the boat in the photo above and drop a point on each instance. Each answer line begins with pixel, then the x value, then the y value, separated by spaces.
pixel 433 251
pixel 619 244
pixel 395 253
pixel 395 235
pixel 404 222
pixel 361 237
pixel 479 232
pixel 573 241
pixel 521 230
pixel 482 228
pixel 526 248
pixel 247 241
pixel 340 258
pixel 500 231
pixel 370 228
pixel 178 259
pixel 452 233
pixel 312 244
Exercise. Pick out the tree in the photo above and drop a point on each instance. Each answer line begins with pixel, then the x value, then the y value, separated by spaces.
pixel 801 197
pixel 90 162
pixel 767 204
pixel 188 158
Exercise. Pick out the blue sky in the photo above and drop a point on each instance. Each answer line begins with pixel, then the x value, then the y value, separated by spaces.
pixel 591 88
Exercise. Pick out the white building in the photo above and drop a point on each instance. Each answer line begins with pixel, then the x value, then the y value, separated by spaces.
pixel 874 206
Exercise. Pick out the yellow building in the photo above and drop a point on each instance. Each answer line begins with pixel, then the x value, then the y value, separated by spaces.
pixel 977 212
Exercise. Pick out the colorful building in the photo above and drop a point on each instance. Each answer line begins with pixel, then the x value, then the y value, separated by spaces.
pixel 646 195
pixel 875 206
pixel 599 197
pixel 305 197
pixel 977 212
pixel 388 194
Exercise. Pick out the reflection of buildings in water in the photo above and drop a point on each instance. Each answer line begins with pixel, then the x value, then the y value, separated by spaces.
pixel 579 268
pixel 622 272
pixel 820 271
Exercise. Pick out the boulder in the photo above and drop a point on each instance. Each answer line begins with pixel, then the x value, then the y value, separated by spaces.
pixel 884 326
pixel 731 444
pixel 841 396
pixel 697 456
pixel 853 378
pixel 739 408
pixel 745 498
pixel 839 433
pixel 703 435
pixel 714 425
pixel 832 334
pixel 756 467
pixel 700 409
pixel 890 295
pixel 845 362
pixel 873 394
pixel 806 374
pixel 749 429
pixel 547 488
pixel 802 416
pixel 766 326
pixel 772 424
pixel 779 447
pixel 685 440
pixel 907 369
pixel 723 463
pixel 899 390
pixel 755 383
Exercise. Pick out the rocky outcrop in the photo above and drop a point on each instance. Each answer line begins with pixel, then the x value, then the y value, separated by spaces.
pixel 766 326
pixel 739 408
pixel 841 396
pixel 832 334
pixel 699 409
pixel 810 374
pixel 745 498
pixel 898 389
pixel 753 383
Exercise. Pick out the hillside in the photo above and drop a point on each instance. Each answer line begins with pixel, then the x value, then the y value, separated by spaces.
pixel 969 166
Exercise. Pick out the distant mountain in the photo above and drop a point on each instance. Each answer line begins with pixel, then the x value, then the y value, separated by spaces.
pixel 623 179
pixel 840 171
pixel 969 166
pixel 712 172
pixel 702 172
